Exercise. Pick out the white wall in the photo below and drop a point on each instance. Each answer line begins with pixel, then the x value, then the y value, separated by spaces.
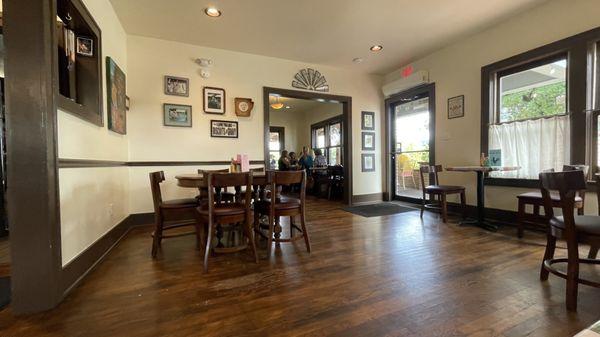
pixel 290 122
pixel 456 70
pixel 93 201
pixel 241 75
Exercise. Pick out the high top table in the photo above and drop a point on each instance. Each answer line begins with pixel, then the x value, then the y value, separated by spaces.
pixel 481 171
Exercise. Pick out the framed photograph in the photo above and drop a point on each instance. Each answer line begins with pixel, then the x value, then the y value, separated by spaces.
pixel 177 115
pixel 116 97
pixel 214 100
pixel 368 141
pixel 367 120
pixel 243 106
pixel 367 162
pixel 223 129
pixel 177 86
pixel 85 46
pixel 456 107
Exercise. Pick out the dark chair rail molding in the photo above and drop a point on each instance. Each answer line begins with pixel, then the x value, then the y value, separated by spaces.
pixel 79 163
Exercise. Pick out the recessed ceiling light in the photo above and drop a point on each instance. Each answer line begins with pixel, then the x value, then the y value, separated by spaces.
pixel 212 12
pixel 287 106
pixel 357 60
pixel 376 47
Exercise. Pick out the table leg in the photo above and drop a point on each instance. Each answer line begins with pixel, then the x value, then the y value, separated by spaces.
pixel 480 222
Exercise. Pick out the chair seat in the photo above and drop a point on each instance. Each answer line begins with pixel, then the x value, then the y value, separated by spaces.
pixel 538 195
pixel 281 203
pixel 178 203
pixel 444 188
pixel 224 209
pixel 588 224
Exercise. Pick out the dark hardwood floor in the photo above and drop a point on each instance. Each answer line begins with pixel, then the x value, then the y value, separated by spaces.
pixel 383 276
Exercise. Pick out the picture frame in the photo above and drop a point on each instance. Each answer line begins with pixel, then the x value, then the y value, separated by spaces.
pixel 367 120
pixel 243 106
pixel 177 86
pixel 85 46
pixel 367 162
pixel 456 107
pixel 178 115
pixel 116 97
pixel 224 129
pixel 368 141
pixel 214 100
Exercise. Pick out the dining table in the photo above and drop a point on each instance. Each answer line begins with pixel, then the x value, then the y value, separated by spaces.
pixel 481 171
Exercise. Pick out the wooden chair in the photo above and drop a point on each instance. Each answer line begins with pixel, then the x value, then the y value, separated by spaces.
pixel 534 198
pixel 335 185
pixel 221 195
pixel 406 170
pixel 283 206
pixel 171 214
pixel 440 191
pixel 575 229
pixel 215 213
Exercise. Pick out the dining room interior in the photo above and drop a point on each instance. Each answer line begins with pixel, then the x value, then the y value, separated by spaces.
pixel 381 168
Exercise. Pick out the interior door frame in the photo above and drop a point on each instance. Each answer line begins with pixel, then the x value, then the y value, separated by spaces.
pixel 391 101
pixel 346 102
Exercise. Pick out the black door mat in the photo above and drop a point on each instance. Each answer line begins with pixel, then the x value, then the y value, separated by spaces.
pixel 381 209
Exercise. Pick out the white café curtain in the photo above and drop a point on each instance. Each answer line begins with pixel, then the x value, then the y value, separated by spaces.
pixel 532 145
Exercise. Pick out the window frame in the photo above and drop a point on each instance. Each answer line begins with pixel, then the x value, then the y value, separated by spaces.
pixel 327 124
pixel 577 48
pixel 281 131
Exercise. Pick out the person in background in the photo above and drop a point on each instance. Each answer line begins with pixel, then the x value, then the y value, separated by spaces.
pixel 306 160
pixel 320 160
pixel 294 165
pixel 284 161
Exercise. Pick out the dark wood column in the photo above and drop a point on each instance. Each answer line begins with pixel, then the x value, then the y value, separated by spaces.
pixel 32 197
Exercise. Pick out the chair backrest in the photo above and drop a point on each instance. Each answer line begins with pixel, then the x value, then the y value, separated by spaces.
pixel 336 171
pixel 286 178
pixel 567 184
pixel 155 179
pixel 432 171
pixel 584 168
pixel 219 180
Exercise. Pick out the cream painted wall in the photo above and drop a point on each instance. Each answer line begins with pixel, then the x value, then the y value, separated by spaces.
pixel 456 70
pixel 93 201
pixel 241 75
pixel 290 122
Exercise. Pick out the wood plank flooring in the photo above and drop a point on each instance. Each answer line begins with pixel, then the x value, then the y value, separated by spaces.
pixel 383 276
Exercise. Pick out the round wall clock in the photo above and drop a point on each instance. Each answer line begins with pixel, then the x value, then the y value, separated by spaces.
pixel 243 106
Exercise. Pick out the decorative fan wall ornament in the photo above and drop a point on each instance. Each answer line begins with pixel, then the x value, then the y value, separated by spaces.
pixel 310 79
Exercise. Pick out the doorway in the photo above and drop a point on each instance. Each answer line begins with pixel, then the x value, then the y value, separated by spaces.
pixel 411 140
pixel 322 131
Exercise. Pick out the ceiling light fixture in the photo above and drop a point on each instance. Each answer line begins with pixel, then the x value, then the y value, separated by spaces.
pixel 212 12
pixel 277 105
pixel 376 47
pixel 357 60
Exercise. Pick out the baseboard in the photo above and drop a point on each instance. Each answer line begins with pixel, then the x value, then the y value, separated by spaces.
pixel 139 219
pixel 365 199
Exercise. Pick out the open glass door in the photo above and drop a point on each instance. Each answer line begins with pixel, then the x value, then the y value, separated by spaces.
pixel 412 141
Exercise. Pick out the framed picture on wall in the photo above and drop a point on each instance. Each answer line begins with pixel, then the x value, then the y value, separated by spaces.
pixel 214 100
pixel 368 141
pixel 367 162
pixel 177 86
pixel 115 86
pixel 85 46
pixel 223 129
pixel 456 107
pixel 367 120
pixel 177 115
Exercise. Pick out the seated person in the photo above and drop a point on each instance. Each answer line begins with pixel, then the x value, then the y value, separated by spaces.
pixel 293 160
pixel 284 161
pixel 320 160
pixel 306 160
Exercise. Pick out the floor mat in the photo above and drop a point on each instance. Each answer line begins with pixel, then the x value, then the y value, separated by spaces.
pixel 381 209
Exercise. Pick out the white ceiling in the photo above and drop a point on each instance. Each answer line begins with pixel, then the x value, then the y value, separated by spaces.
pixel 330 32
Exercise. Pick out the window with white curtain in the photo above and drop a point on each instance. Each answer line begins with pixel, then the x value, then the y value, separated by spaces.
pixel 531 124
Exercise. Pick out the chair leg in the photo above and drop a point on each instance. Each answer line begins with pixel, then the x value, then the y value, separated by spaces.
pixel 572 276
pixel 211 229
pixel 444 208
pixel 520 217
pixel 304 231
pixel 403 184
pixel 463 204
pixel 270 235
pixel 423 201
pixel 157 237
pixel 248 231
pixel 414 182
pixel 593 254
pixel 548 254
pixel 256 226
pixel 199 232
pixel 292 226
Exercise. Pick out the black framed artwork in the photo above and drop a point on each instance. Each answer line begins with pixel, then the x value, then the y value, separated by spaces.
pixel 214 100
pixel 224 129
pixel 367 162
pixel 367 120
pixel 368 141
pixel 456 107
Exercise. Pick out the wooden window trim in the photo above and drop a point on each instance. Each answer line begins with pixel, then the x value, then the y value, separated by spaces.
pixel 325 124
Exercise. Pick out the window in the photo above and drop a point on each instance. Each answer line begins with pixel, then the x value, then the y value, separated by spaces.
pixel 276 145
pixel 327 136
